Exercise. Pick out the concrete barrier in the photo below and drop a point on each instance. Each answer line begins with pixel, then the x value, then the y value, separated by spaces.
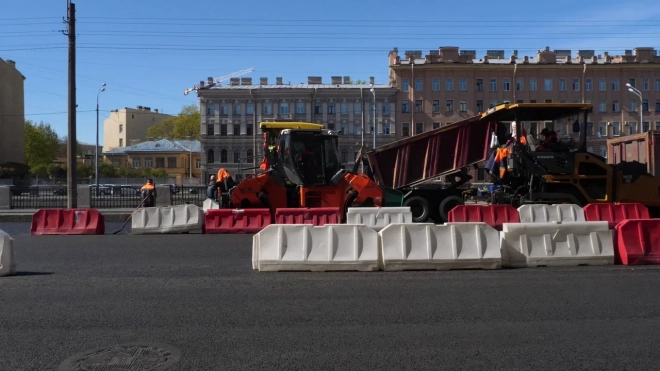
pixel 209 204
pixel 550 213
pixel 7 260
pixel 303 247
pixel 440 247
pixel 378 217
pixel 172 219
pixel 557 244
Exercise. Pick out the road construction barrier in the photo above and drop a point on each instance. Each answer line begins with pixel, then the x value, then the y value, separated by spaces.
pixel 638 242
pixel 209 204
pixel 493 215
pixel 303 247
pixel 317 216
pixel 550 213
pixel 171 219
pixel 67 222
pixel 557 244
pixel 236 220
pixel 378 217
pixel 440 247
pixel 615 213
pixel 7 260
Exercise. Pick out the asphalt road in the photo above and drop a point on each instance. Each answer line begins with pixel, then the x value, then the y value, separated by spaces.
pixel 198 293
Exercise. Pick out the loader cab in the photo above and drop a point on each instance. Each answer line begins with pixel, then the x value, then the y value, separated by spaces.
pixel 309 157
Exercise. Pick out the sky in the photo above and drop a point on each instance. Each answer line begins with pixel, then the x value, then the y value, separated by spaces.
pixel 149 51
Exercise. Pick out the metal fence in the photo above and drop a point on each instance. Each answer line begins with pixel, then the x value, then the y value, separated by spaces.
pixel 114 196
pixel 188 195
pixel 38 197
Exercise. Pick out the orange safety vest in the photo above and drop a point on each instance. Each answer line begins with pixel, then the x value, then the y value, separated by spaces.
pixel 500 158
pixel 147 187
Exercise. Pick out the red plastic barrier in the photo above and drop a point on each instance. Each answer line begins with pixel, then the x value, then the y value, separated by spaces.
pixel 218 221
pixel 615 213
pixel 316 216
pixel 493 215
pixel 67 222
pixel 638 242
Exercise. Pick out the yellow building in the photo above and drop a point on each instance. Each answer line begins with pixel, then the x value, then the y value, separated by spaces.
pixel 12 113
pixel 174 156
pixel 127 126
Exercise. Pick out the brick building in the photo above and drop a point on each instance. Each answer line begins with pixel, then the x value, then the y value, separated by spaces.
pixel 448 85
pixel 231 114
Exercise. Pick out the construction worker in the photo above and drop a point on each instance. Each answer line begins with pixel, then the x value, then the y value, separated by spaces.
pixel 224 180
pixel 212 190
pixel 149 194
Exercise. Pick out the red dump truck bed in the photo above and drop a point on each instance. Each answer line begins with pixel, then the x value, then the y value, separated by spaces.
pixel 431 154
pixel 643 148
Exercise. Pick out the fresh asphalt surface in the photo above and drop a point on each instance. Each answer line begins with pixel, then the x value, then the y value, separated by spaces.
pixel 198 293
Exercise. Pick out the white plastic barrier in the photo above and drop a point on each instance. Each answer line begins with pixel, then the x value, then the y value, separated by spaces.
pixel 303 247
pixel 557 244
pixel 209 204
pixel 172 219
pixel 440 247
pixel 551 213
pixel 378 217
pixel 7 261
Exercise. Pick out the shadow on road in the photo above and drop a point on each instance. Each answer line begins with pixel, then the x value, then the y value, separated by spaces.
pixel 32 274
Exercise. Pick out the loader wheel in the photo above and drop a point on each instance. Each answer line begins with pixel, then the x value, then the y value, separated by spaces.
pixel 447 205
pixel 419 208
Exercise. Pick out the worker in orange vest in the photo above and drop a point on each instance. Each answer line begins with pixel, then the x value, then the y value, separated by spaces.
pixel 149 194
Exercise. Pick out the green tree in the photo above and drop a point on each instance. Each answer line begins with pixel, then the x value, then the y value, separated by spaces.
pixel 107 170
pixel 86 171
pixel 159 173
pixel 185 124
pixel 41 144
pixel 360 82
pixel 164 129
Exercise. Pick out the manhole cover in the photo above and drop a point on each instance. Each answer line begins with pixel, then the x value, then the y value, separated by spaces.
pixel 124 357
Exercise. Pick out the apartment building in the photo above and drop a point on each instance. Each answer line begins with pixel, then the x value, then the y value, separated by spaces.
pixel 448 85
pixel 12 113
pixel 128 126
pixel 231 114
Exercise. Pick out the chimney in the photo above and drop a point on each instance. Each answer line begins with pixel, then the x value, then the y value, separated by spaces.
pixel 335 80
pixel 209 80
pixel 581 59
pixel 11 63
pixel 526 60
pixel 512 60
pixel 246 81
pixel 515 53
pixel 314 80
pixel 234 81
pixel 372 80
pixel 263 81
pixel 139 108
pixel 347 80
pixel 485 59
pixel 147 108
pixel 201 83
pixel 156 110
pixel 278 81
pixel 594 60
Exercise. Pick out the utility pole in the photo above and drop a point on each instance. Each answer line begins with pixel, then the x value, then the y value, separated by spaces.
pixel 71 176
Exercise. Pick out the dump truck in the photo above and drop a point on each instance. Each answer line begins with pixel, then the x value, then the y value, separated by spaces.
pixel 561 172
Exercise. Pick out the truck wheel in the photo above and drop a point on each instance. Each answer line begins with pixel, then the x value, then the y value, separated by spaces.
pixel 447 205
pixel 419 208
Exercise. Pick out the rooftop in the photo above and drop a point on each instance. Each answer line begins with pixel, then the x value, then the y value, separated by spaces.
pixel 161 145
pixel 300 86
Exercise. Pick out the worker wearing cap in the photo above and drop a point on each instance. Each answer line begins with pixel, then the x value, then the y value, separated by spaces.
pixel 149 194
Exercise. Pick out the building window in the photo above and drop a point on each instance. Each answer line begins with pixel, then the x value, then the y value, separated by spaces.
pixel 632 105
pixel 450 105
pixel 418 106
pixel 602 106
pixel 250 156
pixel 386 128
pixel 300 108
pixel 657 84
pixel 588 85
pixel 480 84
pixel 548 101
pixel 121 128
pixel 237 108
pixel 224 109
pixel 615 85
pixel 404 85
pixel 121 142
pixel 436 85
pixel 657 105
pixel 480 106
pixel 463 106
pixel 436 125
pixel 436 106
pixel 344 108
pixel 210 129
pixel 418 85
pixel 148 163
pixel 237 156
pixel 631 82
pixel 506 85
pixel 210 109
pixel 419 128
pixel 268 108
pixel 198 164
pixel 250 108
pixel 562 85
pixel 331 126
pixel 590 128
pixel 405 106
pixel 463 84
pixel 645 85
pixel 548 84
pixel 318 108
pixel 386 108
pixel 237 129
pixel 344 156
pixel 632 127
pixel 223 130
pixel 248 129
pixel 602 83
pixel 493 103
pixel 645 105
pixel 357 108
pixel 576 84
pixel 171 162
pixel 602 128
pixel 615 105
pixel 284 108
pixel 532 84
pixel 520 84
pixel 331 108
pixel 449 84
pixel 357 129
pixel 136 163
pixel 493 84
pixel 223 156
pixel 615 128
pixel 344 129
pixel 160 161
pixel 405 129
pixel 645 126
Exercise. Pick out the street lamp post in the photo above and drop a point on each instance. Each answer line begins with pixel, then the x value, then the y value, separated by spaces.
pixel 96 149
pixel 374 113
pixel 641 104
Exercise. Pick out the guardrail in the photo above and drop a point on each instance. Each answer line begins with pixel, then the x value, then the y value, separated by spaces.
pixel 114 196
pixel 36 197
pixel 187 194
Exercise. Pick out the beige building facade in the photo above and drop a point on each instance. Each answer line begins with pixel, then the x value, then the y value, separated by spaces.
pixel 231 114
pixel 128 126
pixel 448 85
pixel 12 113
